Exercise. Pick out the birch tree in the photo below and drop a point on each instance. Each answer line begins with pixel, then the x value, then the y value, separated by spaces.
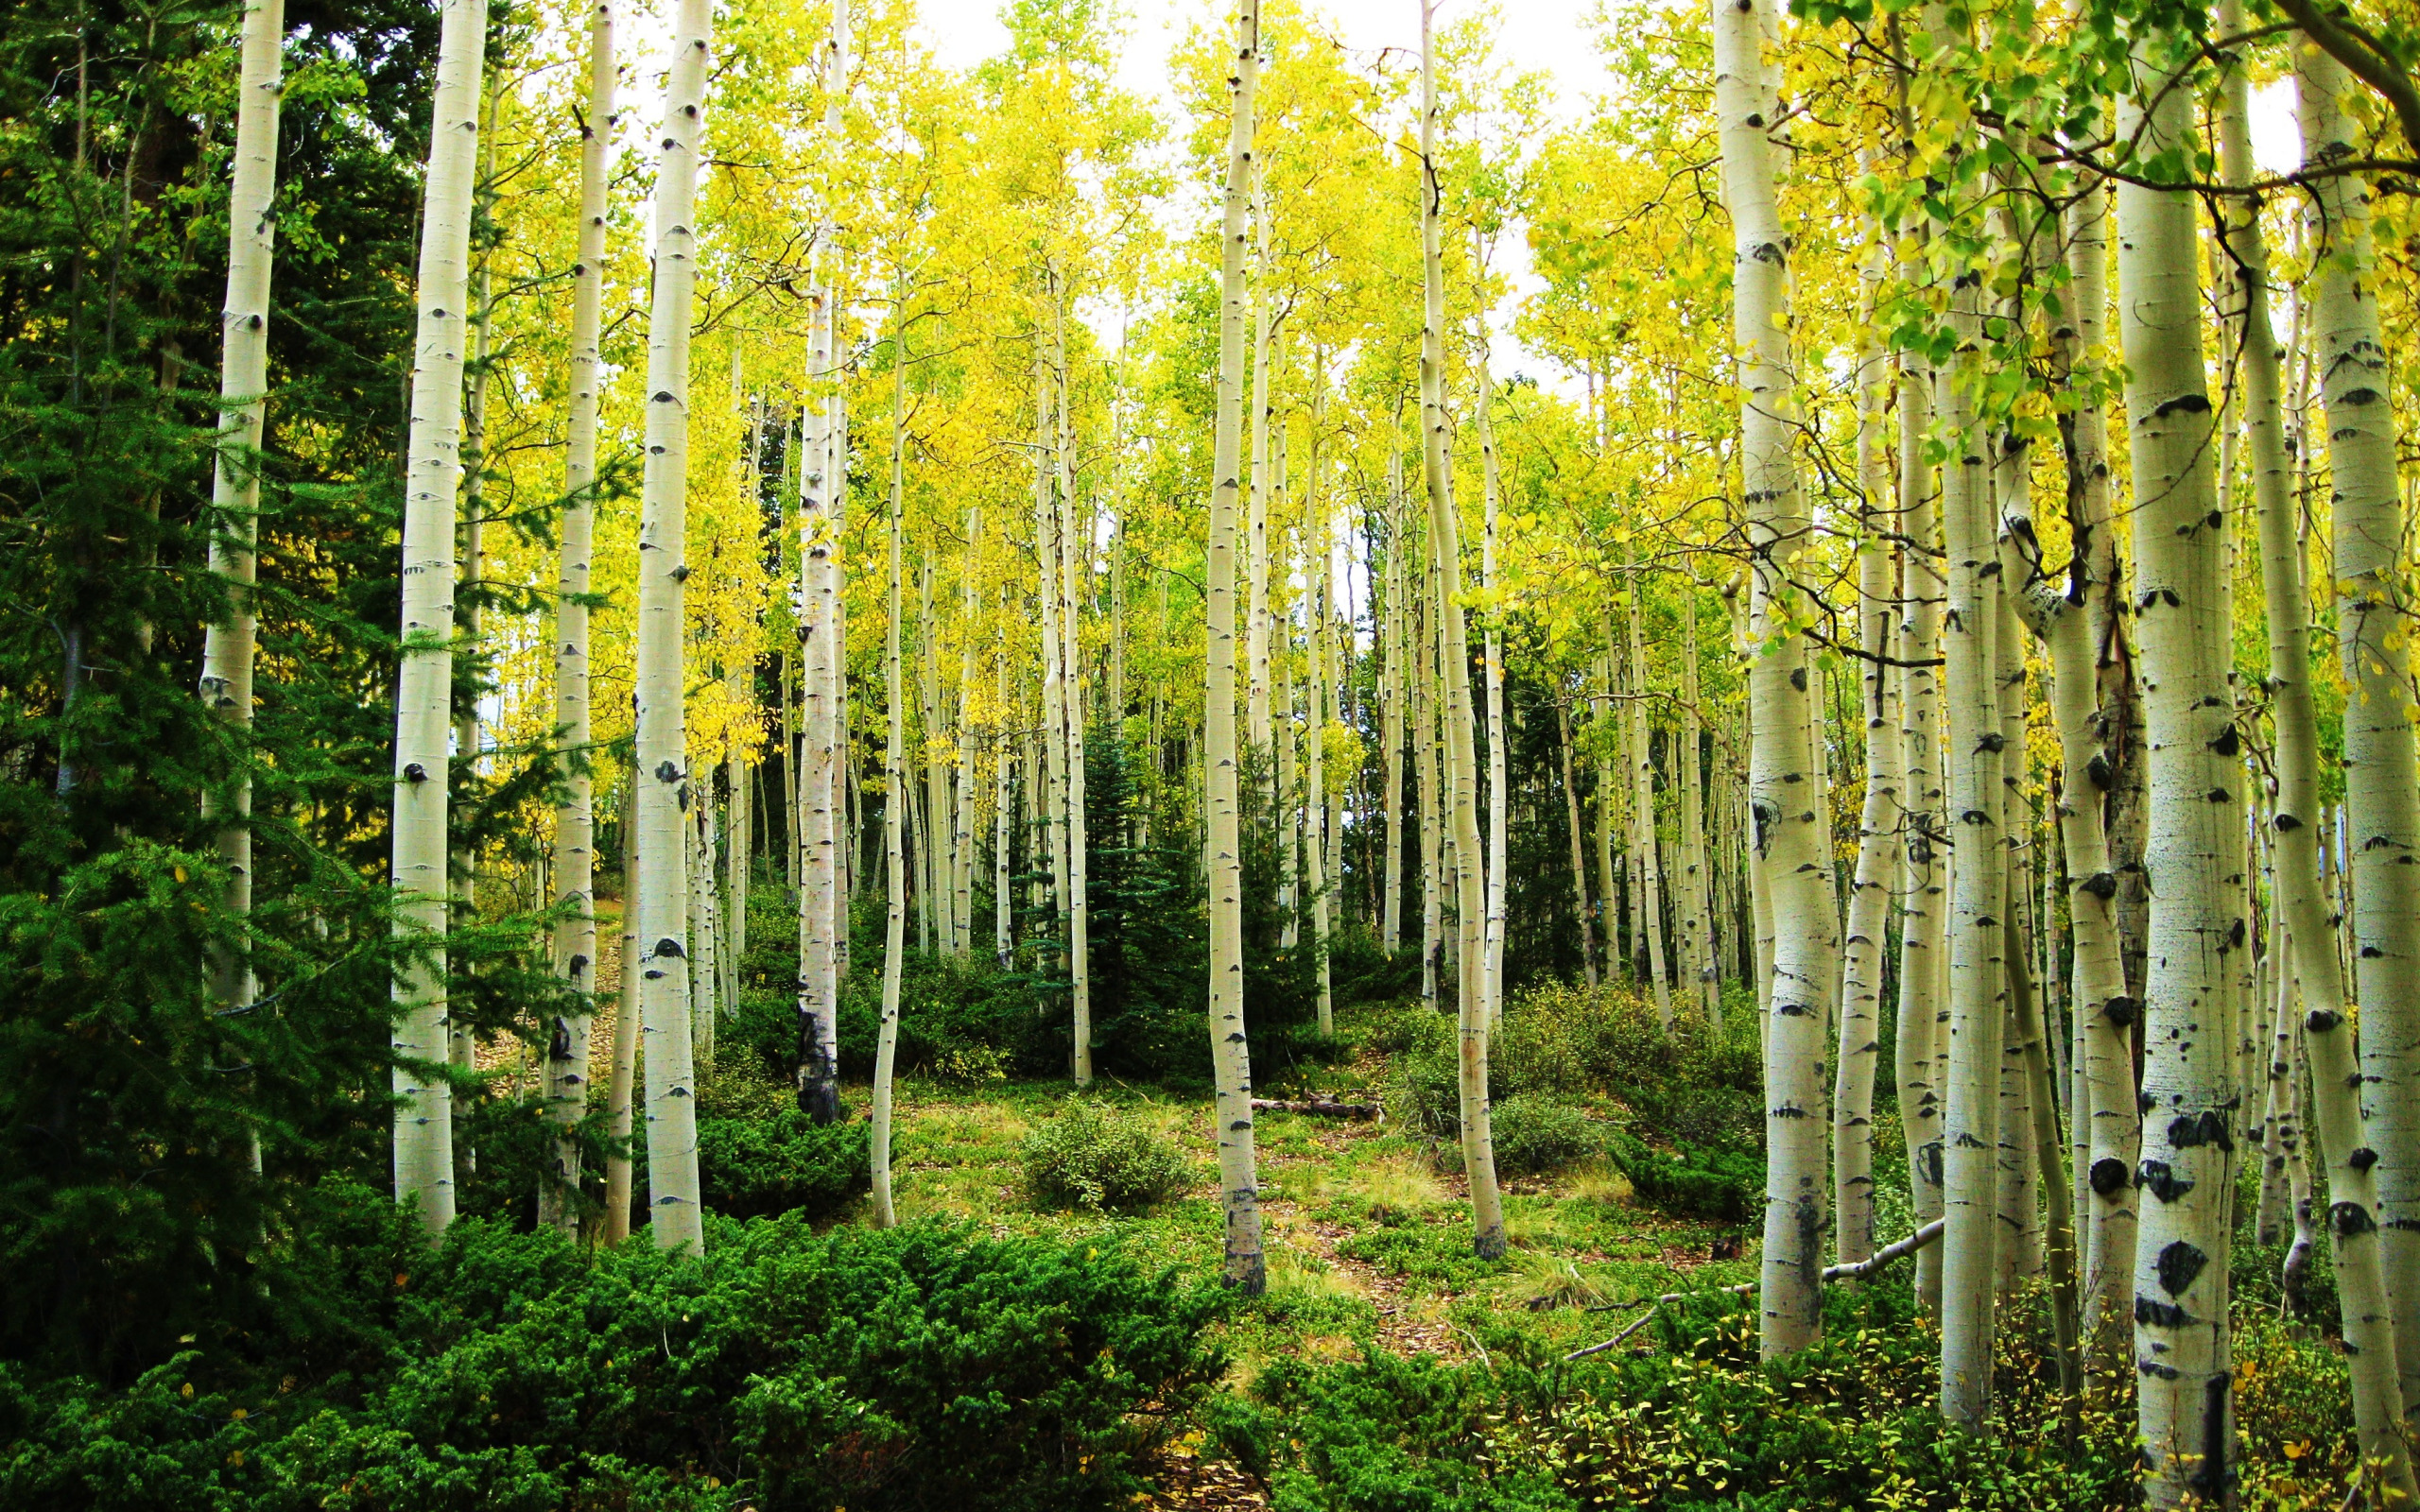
pixel 423 1120
pixel 666 788
pixel 567 1051
pixel 1785 798
pixel 1231 1058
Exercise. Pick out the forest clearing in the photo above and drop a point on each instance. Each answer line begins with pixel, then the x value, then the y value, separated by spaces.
pixel 849 754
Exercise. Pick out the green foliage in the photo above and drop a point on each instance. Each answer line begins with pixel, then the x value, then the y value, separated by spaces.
pixel 1094 1156
pixel 918 1367
pixel 1693 1181
pixel 785 1163
pixel 1535 1133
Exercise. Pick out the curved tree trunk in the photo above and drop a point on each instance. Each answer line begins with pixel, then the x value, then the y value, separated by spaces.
pixel 424 1124
pixel 666 788
pixel 1793 831
pixel 1230 1054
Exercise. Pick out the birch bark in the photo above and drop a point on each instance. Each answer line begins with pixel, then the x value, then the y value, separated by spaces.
pixel 423 1121
pixel 666 789
pixel 1231 1060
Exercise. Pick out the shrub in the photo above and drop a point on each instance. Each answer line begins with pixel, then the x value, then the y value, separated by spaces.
pixel 1691 1182
pixel 1093 1155
pixel 786 1162
pixel 1535 1134
pixel 910 1368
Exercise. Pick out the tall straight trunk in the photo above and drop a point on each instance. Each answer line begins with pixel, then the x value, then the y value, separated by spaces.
pixel 963 830
pixel 2309 924
pixel 2185 1408
pixel 574 818
pixel 423 1120
pixel 1319 841
pixel 1289 792
pixel 1391 698
pixel 1230 1054
pixel 1054 719
pixel 1003 898
pixel 666 788
pixel 1860 998
pixel 1498 758
pixel 462 1047
pixel 1642 828
pixel 1572 820
pixel 1445 543
pixel 625 1035
pixel 933 893
pixel 1075 556
pixel 1977 978
pixel 1696 899
pixel 895 767
pixel 1256 517
pixel 1791 809
pixel 1424 750
pixel 826 842
pixel 704 963
pixel 2018 1261
pixel 2374 605
pixel 229 644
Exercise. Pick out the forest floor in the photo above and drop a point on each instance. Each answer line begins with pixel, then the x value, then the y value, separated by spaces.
pixel 1368 1243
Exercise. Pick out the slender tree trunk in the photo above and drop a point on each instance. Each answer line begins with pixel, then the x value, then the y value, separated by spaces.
pixel 1643 829
pixel 2372 616
pixel 1792 823
pixel 894 815
pixel 666 787
pixel 2185 1408
pixel 1074 568
pixel 423 1120
pixel 1860 998
pixel 1695 895
pixel 1432 800
pixel 1231 1058
pixel 1498 756
pixel 1444 543
pixel 1390 697
pixel 1579 866
pixel 229 644
pixel 626 1037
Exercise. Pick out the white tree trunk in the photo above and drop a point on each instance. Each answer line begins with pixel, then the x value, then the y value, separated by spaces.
pixel 2373 617
pixel 626 1037
pixel 230 645
pixel 1230 1054
pixel 2309 927
pixel 2183 1391
pixel 1644 840
pixel 1461 759
pixel 1498 756
pixel 1791 810
pixel 1579 863
pixel 1698 922
pixel 1861 956
pixel 1390 697
pixel 423 1121
pixel 666 788
pixel 895 767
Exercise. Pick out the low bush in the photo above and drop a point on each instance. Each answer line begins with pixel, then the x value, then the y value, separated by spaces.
pixel 785 1163
pixel 919 1367
pixel 1532 1134
pixel 1094 1156
pixel 1693 1181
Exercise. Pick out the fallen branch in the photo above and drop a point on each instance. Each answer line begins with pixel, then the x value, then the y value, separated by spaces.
pixel 1898 1251
pixel 1318 1107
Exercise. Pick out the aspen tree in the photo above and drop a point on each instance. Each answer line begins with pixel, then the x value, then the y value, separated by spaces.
pixel 1498 756
pixel 963 830
pixel 1432 798
pixel 666 787
pixel 1316 729
pixel 1390 700
pixel 1231 1058
pixel 1289 793
pixel 1075 547
pixel 1861 996
pixel 1572 820
pixel 2183 1393
pixel 1644 844
pixel 1256 520
pixel 1445 546
pixel 625 1034
pixel 423 1121
pixel 2308 927
pixel 2373 618
pixel 894 765
pixel 1003 902
pixel 1695 898
pixel 1788 801
pixel 230 645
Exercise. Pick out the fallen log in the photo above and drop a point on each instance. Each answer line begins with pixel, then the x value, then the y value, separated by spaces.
pixel 1318 1107
pixel 1899 1249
